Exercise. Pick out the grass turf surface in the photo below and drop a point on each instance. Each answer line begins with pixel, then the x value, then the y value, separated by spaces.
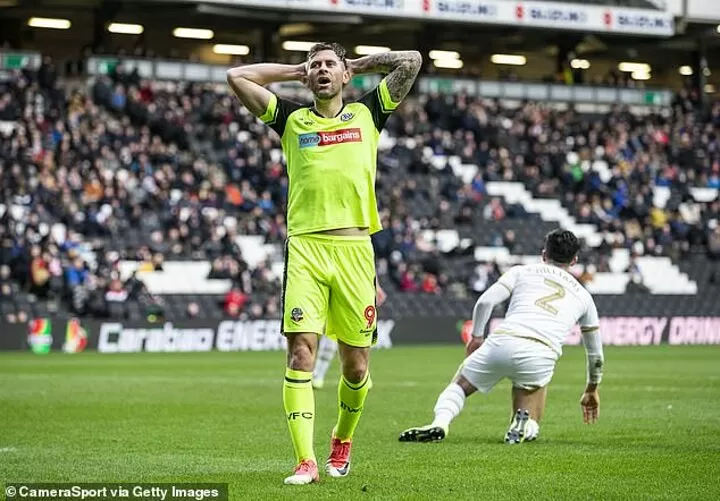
pixel 217 417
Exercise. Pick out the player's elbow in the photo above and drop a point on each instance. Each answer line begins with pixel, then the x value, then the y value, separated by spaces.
pixel 236 72
pixel 231 78
pixel 489 298
pixel 233 75
pixel 408 62
pixel 484 303
pixel 415 60
pixel 238 82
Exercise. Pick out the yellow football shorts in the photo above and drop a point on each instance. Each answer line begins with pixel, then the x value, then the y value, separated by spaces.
pixel 329 288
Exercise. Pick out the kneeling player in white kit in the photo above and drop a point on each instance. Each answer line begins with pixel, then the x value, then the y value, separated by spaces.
pixel 326 350
pixel 545 304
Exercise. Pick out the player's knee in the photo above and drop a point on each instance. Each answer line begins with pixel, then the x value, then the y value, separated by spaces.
pixel 467 386
pixel 356 372
pixel 300 358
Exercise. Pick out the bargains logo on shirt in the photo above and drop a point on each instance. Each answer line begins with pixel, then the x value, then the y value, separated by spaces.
pixel 329 138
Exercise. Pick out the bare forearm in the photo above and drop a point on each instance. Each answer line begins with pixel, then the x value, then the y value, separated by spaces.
pixel 402 67
pixel 267 73
pixel 385 62
pixel 248 83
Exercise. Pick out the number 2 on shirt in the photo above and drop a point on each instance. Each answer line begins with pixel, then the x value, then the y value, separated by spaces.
pixel 545 301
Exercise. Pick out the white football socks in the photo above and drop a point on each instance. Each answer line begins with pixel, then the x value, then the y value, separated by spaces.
pixel 533 430
pixel 448 406
pixel 325 354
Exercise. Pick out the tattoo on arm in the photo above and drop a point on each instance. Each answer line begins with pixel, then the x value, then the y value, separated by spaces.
pixel 401 67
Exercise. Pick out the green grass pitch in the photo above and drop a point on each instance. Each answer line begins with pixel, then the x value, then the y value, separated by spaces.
pixel 217 417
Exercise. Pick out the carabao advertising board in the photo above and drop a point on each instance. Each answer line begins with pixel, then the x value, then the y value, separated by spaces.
pixel 74 335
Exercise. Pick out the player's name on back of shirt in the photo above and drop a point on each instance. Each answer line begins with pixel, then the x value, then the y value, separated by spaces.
pixel 556 271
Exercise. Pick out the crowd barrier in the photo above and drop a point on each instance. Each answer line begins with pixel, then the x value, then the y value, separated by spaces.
pixel 107 336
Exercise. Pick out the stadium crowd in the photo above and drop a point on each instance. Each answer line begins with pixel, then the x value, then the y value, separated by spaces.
pixel 135 170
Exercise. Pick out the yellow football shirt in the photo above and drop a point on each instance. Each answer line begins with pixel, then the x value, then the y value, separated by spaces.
pixel 331 162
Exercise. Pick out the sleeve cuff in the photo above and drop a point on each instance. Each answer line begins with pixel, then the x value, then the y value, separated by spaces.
pixel 269 116
pixel 386 102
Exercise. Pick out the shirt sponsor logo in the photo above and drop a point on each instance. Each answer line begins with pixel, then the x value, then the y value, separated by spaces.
pixel 465 7
pixel 339 136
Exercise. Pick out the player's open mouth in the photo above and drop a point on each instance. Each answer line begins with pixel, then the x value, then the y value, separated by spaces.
pixel 324 80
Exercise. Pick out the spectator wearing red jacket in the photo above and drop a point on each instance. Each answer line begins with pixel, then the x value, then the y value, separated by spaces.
pixel 235 302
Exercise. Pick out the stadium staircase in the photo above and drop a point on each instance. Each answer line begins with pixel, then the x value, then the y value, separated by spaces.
pixel 660 274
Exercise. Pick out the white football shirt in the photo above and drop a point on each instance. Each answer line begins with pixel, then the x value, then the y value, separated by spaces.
pixel 545 304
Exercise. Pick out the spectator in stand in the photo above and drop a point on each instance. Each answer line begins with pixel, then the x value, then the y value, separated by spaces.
pixel 255 312
pixel 713 250
pixel 16 317
pixel 272 307
pixel 494 211
pixel 235 302
pixel 116 290
pixel 7 290
pixel 509 240
pixel 430 284
pixel 478 184
pixel 39 273
pixel 407 281
pixel 587 275
pixel 193 310
pixel 480 278
pixel 637 282
pixel 77 273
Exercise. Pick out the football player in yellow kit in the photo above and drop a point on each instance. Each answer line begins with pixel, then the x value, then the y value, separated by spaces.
pixel 329 286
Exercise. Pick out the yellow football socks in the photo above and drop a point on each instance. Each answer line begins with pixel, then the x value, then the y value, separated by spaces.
pixel 299 401
pixel 351 398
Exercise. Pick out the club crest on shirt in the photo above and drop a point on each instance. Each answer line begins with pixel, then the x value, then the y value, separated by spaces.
pixel 297 315
pixel 346 116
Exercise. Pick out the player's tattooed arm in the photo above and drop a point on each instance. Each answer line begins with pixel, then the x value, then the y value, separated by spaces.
pixel 401 67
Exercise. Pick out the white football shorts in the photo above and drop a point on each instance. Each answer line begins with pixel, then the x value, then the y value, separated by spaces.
pixel 529 364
